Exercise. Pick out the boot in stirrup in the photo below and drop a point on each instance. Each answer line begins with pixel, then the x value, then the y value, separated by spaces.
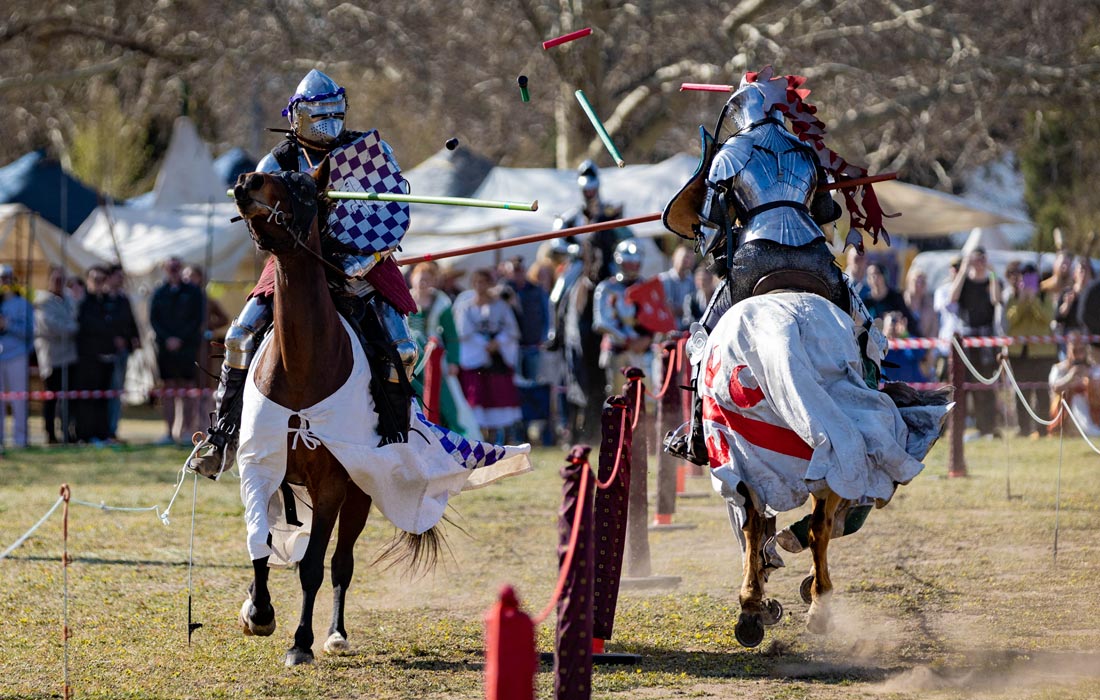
pixel 217 451
pixel 692 446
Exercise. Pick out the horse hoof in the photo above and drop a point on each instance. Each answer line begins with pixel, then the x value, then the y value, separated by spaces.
pixel 806 589
pixel 296 656
pixel 773 612
pixel 336 644
pixel 248 627
pixel 749 630
pixel 818 621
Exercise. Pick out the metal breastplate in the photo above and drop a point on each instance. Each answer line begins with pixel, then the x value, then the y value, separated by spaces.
pixel 769 166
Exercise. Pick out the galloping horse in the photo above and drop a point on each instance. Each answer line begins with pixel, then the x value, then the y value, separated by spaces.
pixel 788 415
pixel 309 422
pixel 309 357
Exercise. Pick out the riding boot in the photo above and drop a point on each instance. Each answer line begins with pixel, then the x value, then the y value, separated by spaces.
pixel 219 448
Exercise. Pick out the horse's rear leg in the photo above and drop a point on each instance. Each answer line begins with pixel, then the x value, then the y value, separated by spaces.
pixel 755 610
pixel 821 528
pixel 353 517
pixel 311 571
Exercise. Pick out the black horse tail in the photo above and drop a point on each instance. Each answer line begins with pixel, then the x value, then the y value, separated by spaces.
pixel 418 554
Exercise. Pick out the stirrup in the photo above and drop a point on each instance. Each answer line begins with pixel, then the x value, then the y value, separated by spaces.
pixel 687 446
pixel 209 456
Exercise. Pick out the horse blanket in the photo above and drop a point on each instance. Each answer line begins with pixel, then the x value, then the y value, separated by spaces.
pixel 410 483
pixel 786 410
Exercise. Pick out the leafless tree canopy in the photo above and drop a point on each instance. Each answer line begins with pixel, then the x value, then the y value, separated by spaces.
pixel 926 88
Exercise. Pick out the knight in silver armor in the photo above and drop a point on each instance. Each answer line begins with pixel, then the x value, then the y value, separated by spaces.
pixel 754 207
pixel 316 114
pixel 614 317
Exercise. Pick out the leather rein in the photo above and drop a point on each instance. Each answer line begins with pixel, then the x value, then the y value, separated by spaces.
pixel 299 234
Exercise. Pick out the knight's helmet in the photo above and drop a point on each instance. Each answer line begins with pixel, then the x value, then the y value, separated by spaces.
pixel 317 109
pixel 746 107
pixel 628 258
pixel 588 178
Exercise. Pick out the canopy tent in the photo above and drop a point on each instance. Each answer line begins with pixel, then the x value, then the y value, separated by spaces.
pixel 40 184
pixel 448 173
pixel 926 213
pixel 232 163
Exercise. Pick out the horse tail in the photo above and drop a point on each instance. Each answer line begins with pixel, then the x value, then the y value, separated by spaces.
pixel 418 554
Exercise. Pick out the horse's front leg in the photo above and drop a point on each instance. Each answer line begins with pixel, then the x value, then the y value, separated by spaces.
pixel 821 528
pixel 327 498
pixel 754 608
pixel 353 517
pixel 257 614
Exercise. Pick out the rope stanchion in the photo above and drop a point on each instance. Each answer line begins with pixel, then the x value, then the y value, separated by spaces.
pixel 511 661
pixel 956 458
pixel 573 636
pixel 613 489
pixel 671 471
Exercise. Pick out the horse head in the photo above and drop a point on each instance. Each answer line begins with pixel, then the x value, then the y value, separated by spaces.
pixel 281 208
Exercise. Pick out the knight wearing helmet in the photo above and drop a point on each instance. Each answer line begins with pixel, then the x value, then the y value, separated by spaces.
pixel 614 316
pixel 755 208
pixel 360 161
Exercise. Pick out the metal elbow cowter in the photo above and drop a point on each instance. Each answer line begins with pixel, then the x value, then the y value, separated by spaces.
pixel 243 337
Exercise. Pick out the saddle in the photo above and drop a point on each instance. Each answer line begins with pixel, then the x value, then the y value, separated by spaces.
pixel 797 281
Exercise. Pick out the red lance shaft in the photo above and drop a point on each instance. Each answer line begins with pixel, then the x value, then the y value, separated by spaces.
pixel 616 223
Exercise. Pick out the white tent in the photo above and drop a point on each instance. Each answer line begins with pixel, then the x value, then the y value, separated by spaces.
pixel 32 244
pixel 644 189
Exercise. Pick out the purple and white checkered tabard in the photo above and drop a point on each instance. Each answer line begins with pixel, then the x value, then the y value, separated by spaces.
pixel 364 165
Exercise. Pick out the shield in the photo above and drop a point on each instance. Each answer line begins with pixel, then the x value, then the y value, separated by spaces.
pixel 652 307
pixel 366 165
pixel 681 214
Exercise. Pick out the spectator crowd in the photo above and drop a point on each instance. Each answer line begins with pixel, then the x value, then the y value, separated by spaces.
pixel 531 352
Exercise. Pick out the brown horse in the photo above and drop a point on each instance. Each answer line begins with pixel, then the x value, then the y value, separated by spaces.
pixel 308 358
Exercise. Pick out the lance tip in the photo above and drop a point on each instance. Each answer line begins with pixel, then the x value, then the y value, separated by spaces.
pixel 535 205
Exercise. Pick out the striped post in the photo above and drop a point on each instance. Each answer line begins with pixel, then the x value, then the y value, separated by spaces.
pixel 637 535
pixel 573 637
pixel 669 476
pixel 956 458
pixel 611 513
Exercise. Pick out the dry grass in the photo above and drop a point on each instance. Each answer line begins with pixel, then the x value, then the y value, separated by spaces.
pixel 951 592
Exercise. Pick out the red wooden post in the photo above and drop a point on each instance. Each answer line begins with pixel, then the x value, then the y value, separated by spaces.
pixel 511 660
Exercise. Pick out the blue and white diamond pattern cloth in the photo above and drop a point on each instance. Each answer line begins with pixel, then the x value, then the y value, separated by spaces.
pixel 469 453
pixel 367 165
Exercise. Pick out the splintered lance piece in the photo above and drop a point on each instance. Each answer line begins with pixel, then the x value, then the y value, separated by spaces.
pixel 706 87
pixel 524 95
pixel 565 38
pixel 599 128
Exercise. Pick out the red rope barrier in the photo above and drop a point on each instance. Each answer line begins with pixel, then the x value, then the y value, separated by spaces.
pixel 96 394
pixel 986 341
pixel 604 485
pixel 563 573
pixel 673 353
pixel 637 402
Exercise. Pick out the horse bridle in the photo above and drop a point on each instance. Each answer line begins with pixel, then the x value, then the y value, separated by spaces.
pixel 298 230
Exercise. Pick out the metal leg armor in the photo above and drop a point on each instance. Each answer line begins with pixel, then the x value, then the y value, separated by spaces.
pixel 217 450
pixel 390 385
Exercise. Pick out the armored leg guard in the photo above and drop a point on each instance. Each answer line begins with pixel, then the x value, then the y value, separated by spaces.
pixel 218 449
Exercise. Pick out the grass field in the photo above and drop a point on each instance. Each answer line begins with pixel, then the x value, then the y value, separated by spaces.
pixel 952 591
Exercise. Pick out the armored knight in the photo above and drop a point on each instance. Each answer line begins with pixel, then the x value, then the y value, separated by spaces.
pixel 360 162
pixel 755 208
pixel 614 316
